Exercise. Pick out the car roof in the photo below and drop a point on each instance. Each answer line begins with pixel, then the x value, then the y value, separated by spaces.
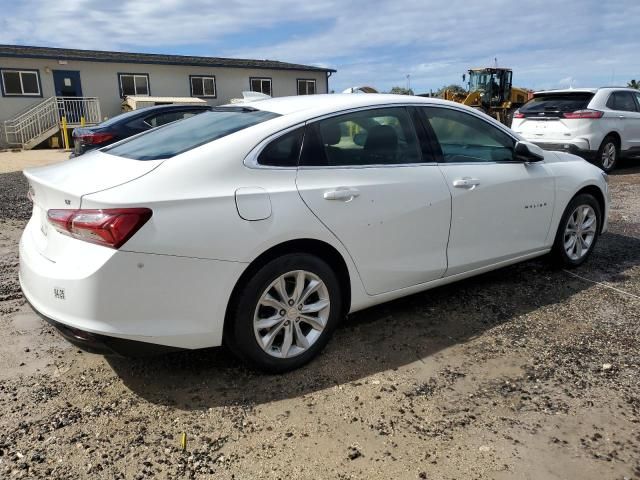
pixel 327 103
pixel 583 90
pixel 568 90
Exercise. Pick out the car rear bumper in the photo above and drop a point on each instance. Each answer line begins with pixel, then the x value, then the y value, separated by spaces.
pixel 581 150
pixel 154 299
pixel 103 344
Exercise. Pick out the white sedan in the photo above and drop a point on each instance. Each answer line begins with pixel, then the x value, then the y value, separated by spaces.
pixel 263 224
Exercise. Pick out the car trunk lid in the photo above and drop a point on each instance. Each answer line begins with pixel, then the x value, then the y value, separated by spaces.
pixel 62 186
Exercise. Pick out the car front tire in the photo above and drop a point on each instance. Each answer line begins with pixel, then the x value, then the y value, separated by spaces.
pixel 578 231
pixel 285 313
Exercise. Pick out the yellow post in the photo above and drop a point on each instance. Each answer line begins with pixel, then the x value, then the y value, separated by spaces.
pixel 82 121
pixel 65 133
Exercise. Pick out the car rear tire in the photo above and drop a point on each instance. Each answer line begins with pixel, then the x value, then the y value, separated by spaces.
pixel 578 232
pixel 285 313
pixel 608 153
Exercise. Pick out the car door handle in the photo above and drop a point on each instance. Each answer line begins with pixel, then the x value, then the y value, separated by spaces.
pixel 469 183
pixel 340 193
pixel 621 116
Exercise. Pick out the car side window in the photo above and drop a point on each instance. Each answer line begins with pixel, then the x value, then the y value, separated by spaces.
pixel 164 118
pixel 284 151
pixel 637 95
pixel 622 101
pixel 466 138
pixel 381 136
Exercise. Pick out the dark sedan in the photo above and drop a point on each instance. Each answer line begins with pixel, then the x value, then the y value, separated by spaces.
pixel 129 124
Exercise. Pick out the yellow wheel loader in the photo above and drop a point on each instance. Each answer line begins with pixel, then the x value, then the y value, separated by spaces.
pixel 490 90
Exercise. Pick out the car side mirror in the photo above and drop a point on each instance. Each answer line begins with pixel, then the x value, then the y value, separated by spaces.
pixel 528 152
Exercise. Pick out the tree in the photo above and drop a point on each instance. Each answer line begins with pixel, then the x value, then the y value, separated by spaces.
pixel 455 89
pixel 401 91
pixel 634 84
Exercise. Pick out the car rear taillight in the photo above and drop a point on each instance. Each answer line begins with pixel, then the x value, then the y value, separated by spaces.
pixel 110 227
pixel 94 138
pixel 518 114
pixel 583 114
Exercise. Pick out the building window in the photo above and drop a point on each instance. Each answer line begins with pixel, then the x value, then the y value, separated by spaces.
pixel 203 86
pixel 306 87
pixel 262 85
pixel 22 83
pixel 133 84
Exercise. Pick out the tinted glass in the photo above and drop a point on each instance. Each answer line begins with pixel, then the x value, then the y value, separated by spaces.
pixel 128 87
pixel 622 101
pixel 383 136
pixel 284 151
pixel 262 85
pixel 209 87
pixel 467 138
pixel 176 138
pixel 637 95
pixel 142 87
pixel 306 87
pixel 164 118
pixel 557 103
pixel 11 81
pixel 197 89
pixel 30 83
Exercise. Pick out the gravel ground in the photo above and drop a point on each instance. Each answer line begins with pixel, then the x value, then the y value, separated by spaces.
pixel 527 373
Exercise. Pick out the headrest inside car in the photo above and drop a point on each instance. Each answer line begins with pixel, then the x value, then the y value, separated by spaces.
pixel 331 133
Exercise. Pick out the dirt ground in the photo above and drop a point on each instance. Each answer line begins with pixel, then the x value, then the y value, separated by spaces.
pixel 523 373
pixel 11 161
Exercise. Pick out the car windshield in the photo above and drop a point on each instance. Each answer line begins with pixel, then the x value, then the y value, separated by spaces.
pixel 175 138
pixel 558 102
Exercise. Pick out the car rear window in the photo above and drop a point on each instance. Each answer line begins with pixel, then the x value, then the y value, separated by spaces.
pixel 557 103
pixel 175 138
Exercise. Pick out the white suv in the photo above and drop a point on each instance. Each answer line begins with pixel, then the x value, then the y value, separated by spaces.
pixel 598 124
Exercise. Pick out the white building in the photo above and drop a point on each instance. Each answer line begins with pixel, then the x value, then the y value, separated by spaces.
pixel 39 84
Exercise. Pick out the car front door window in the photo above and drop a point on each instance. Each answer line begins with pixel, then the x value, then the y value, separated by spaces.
pixel 466 138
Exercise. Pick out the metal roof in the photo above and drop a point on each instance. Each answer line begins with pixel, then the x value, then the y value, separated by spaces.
pixel 24 51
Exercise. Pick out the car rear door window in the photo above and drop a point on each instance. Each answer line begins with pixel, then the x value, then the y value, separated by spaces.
pixel 179 137
pixel 463 137
pixel 168 117
pixel 283 151
pixel 381 136
pixel 622 101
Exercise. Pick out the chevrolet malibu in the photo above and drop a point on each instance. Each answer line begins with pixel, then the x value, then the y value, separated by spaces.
pixel 261 225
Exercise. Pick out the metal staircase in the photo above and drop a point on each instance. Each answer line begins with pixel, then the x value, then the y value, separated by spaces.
pixel 45 119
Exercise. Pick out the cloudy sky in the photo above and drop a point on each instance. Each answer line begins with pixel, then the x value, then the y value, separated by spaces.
pixel 548 43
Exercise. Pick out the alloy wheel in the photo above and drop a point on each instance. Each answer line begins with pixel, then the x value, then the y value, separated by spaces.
pixel 291 314
pixel 580 232
pixel 608 155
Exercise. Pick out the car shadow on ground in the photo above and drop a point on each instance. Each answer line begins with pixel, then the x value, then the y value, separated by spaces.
pixel 389 336
pixel 628 166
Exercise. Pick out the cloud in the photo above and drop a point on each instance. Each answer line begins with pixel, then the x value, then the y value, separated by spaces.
pixel 369 42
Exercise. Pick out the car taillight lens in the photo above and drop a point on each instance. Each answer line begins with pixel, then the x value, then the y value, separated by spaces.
pixel 110 227
pixel 94 138
pixel 518 114
pixel 583 114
